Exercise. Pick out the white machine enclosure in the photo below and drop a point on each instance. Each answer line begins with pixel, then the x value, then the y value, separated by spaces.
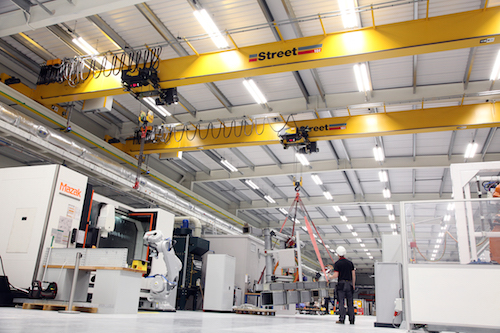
pixel 249 254
pixel 388 288
pixel 219 283
pixel 40 206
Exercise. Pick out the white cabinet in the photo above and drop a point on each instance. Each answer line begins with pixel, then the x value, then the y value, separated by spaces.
pixel 219 282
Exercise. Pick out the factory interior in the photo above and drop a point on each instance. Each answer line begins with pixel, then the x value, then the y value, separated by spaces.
pixel 199 165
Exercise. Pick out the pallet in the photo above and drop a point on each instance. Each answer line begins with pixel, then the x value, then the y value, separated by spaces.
pixel 57 307
pixel 262 312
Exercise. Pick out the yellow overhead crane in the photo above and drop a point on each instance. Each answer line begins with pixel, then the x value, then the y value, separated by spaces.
pixel 449 32
pixel 435 34
pixel 391 123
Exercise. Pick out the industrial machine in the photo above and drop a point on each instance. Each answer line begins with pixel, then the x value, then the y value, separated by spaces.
pixel 164 286
pixel 190 250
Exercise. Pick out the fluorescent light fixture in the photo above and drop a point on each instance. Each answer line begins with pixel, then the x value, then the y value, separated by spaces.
pixel 366 250
pixel 347 225
pixel 336 208
pixel 269 199
pixel 316 179
pixel 370 257
pixel 444 227
pixel 437 246
pixel 302 159
pixel 252 185
pixel 159 108
pixel 447 217
pixel 315 236
pixel 361 74
pixel 382 176
pixel 378 154
pixel 319 241
pixel 392 217
pixel 389 207
pixel 471 150
pixel 451 206
pixel 283 211
pixel 439 241
pixel 433 258
pixel 87 48
pixel 82 44
pixel 441 234
pixel 254 91
pixel 228 165
pixel 344 218
pixel 394 232
pixel 362 245
pixel 393 225
pixel 368 254
pixel 327 246
pixel 327 195
pixel 435 251
pixel 355 234
pixel 387 193
pixel 495 72
pixel 359 240
pixel 332 250
pixel 208 24
pixel 304 228
pixel 349 16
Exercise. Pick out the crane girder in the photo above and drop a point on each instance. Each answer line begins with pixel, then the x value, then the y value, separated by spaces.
pixel 435 34
pixel 368 125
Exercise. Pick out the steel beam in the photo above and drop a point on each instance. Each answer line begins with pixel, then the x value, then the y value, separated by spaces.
pixel 442 33
pixel 33 46
pixel 432 161
pixel 370 125
pixel 14 22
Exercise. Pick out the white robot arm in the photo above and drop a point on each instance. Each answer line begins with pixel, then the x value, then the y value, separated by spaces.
pixel 163 285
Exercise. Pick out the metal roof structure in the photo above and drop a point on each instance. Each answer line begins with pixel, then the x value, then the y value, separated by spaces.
pixel 417 164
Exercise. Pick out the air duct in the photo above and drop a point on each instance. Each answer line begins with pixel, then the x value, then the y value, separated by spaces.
pixel 38 133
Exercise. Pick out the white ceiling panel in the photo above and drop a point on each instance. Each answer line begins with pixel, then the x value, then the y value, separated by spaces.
pixel 200 97
pixel 444 7
pixel 51 43
pixel 392 73
pixel 135 29
pixel 401 180
pixel 398 145
pixel 484 60
pixel 436 143
pixel 312 9
pixel 385 15
pixel 442 67
pixel 338 79
pixel 240 13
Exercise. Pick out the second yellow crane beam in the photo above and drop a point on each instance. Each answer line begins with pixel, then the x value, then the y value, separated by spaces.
pixel 391 123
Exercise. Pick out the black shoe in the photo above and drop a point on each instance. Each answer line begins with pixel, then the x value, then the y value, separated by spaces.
pixel 339 321
pixel 352 323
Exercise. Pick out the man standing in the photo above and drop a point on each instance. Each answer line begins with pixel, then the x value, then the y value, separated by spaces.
pixel 344 271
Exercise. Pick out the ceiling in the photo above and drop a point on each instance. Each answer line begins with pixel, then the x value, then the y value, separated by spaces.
pixel 417 164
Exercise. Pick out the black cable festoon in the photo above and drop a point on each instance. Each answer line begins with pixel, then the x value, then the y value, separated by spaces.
pixel 164 133
pixel 78 69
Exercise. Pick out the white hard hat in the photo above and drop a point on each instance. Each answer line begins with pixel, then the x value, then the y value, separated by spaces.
pixel 341 251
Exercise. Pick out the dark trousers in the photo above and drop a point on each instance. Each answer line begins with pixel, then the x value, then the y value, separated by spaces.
pixel 344 291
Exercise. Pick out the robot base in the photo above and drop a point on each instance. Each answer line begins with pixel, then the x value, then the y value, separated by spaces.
pixel 144 304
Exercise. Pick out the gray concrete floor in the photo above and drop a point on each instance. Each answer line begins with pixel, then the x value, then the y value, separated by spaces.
pixel 38 321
